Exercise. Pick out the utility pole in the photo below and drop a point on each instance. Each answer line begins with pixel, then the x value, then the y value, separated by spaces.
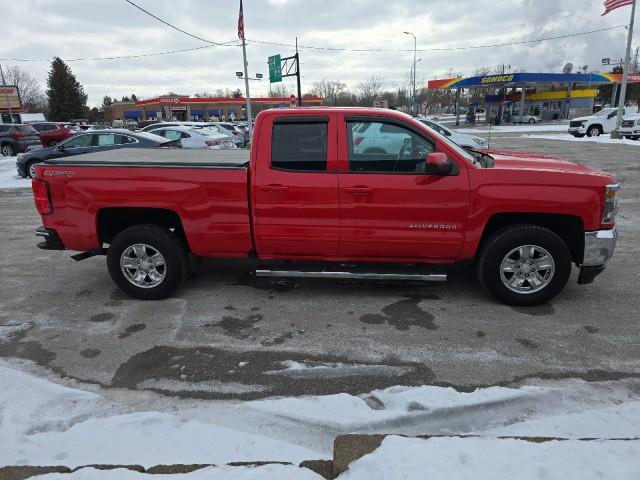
pixel 415 46
pixel 6 96
pixel 246 70
pixel 625 75
pixel 298 74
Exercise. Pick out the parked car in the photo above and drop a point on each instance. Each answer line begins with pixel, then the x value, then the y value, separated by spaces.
pixel 17 138
pixel 305 192
pixel 145 123
pixel 53 133
pixel 595 125
pixel 192 137
pixel 117 123
pixel 463 139
pixel 155 125
pixel 237 132
pixel 526 118
pixel 88 142
pixel 630 127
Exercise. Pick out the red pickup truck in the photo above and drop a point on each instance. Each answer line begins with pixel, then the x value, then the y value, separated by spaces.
pixel 343 192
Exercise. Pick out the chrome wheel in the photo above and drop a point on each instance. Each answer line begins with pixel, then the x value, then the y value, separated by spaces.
pixel 32 170
pixel 7 151
pixel 143 265
pixel 594 132
pixel 527 269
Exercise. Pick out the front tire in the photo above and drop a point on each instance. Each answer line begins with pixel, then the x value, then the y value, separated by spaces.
pixel 532 120
pixel 524 265
pixel 148 262
pixel 7 150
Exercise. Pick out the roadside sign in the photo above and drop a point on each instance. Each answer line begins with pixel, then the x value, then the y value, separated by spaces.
pixel 292 100
pixel 275 69
pixel 10 98
pixel 606 61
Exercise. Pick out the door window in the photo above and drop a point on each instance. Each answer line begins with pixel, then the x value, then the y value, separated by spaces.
pixel 299 146
pixel 81 141
pixel 106 139
pixel 172 134
pixel 385 147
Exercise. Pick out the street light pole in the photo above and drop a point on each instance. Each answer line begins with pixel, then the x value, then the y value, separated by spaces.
pixel 415 46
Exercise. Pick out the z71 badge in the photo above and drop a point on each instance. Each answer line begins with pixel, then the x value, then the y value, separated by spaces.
pixel 58 173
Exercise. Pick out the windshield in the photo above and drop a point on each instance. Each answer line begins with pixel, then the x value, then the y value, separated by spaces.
pixel 605 111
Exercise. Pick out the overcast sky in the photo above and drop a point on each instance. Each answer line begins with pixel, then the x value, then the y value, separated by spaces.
pixel 41 29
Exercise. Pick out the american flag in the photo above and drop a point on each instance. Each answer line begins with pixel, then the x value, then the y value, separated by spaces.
pixel 610 5
pixel 241 23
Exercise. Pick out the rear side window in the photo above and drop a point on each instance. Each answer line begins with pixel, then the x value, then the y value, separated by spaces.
pixel 80 141
pixel 299 146
pixel 28 129
pixel 124 139
pixel 106 139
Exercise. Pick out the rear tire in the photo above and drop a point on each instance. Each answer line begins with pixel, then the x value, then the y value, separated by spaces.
pixel 594 131
pixel 524 280
pixel 532 120
pixel 31 169
pixel 148 262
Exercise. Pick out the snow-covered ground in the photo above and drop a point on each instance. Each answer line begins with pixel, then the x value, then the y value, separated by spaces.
pixel 491 458
pixel 9 177
pixel 600 139
pixel 49 421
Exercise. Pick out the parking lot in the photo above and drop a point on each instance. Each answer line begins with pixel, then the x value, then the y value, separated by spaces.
pixel 226 335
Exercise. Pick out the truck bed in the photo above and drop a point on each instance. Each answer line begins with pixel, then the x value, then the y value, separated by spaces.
pixel 160 157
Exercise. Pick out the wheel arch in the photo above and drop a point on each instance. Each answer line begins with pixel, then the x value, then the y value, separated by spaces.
pixel 110 221
pixel 570 228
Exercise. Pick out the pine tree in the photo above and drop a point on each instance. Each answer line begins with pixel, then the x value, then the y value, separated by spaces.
pixel 107 101
pixel 67 99
pixel 134 98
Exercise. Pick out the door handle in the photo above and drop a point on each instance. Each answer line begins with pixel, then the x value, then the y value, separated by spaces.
pixel 358 190
pixel 273 188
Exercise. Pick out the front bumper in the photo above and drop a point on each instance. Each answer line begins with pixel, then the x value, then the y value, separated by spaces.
pixel 630 131
pixel 51 239
pixel 577 130
pixel 598 249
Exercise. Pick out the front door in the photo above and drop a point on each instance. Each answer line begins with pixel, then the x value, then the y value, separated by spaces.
pixel 295 187
pixel 389 206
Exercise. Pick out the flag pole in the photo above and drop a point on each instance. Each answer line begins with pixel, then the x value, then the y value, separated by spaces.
pixel 625 75
pixel 246 72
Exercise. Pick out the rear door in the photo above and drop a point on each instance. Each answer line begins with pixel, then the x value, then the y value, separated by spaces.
pixel 390 208
pixel 295 187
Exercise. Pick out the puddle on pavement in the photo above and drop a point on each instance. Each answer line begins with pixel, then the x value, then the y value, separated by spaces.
pixel 404 314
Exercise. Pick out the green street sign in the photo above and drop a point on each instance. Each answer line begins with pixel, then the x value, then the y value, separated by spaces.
pixel 275 69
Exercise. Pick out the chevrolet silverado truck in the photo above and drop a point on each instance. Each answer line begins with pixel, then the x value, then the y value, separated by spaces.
pixel 307 202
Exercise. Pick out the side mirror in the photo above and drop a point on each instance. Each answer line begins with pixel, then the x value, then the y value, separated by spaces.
pixel 437 163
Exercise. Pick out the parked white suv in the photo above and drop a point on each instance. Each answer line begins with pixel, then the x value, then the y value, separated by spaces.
pixel 602 122
pixel 630 127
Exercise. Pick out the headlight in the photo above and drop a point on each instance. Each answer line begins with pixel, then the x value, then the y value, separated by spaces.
pixel 638 122
pixel 582 123
pixel 611 203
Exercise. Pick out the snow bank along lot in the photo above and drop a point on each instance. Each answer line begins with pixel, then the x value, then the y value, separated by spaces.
pixel 9 176
pixel 48 421
pixel 600 139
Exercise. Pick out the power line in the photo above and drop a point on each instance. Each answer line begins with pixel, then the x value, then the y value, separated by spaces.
pixel 439 49
pixel 226 44
pixel 115 57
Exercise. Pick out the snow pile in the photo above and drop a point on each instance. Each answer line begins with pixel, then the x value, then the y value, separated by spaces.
pixel 497 459
pixel 529 127
pixel 9 176
pixel 42 423
pixel 265 472
pixel 600 139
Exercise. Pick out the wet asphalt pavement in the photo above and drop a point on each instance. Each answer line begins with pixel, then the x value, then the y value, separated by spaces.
pixel 225 335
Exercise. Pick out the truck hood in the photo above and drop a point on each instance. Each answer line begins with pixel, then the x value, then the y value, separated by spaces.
pixel 505 159
pixel 581 119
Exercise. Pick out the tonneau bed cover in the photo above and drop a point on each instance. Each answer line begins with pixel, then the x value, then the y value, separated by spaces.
pixel 160 157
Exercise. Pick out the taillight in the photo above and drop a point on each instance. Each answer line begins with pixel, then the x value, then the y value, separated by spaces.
pixel 41 196
pixel 17 134
pixel 358 140
pixel 212 143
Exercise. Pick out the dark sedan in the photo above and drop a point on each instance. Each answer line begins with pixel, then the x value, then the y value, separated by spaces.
pixel 89 142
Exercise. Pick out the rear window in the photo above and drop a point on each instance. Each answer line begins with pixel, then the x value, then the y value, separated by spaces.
pixel 26 129
pixel 299 146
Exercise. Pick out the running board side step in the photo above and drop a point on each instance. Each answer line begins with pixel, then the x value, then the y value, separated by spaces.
pixel 352 275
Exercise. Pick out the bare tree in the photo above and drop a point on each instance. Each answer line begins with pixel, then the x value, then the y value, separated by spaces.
pixel 279 91
pixel 369 90
pixel 33 98
pixel 330 90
